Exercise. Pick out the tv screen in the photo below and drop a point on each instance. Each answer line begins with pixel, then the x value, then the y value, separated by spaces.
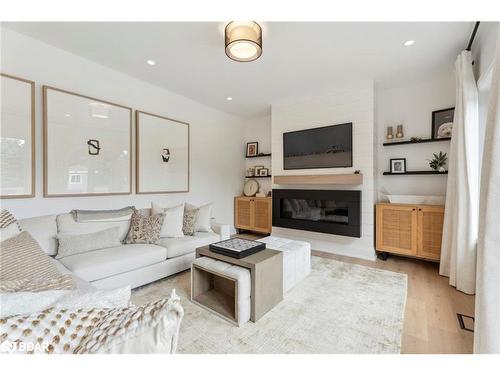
pixel 325 147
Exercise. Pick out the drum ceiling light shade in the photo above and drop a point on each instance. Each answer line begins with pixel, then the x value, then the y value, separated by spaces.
pixel 243 41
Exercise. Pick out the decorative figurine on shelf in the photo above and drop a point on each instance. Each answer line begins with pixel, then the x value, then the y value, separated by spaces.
pixel 399 131
pixel 389 135
pixel 438 162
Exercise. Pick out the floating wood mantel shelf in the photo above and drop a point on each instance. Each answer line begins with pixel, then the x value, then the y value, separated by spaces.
pixel 320 179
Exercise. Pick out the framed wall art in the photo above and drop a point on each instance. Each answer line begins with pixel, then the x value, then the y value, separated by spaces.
pixel 17 141
pixel 162 154
pixel 87 145
pixel 442 123
pixel 398 165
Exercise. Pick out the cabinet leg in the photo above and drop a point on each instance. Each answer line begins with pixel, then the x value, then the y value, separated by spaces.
pixel 383 255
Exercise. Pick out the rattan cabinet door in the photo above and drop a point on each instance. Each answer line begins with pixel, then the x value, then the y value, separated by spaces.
pixel 262 215
pixel 397 229
pixel 243 213
pixel 430 231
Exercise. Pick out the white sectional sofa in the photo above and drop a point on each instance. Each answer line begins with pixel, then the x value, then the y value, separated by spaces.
pixel 133 265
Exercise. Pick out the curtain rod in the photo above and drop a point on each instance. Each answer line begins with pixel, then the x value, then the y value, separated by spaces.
pixel 473 35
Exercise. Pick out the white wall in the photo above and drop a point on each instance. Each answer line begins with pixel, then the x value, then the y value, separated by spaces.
pixel 217 139
pixel 350 103
pixel 259 130
pixel 412 106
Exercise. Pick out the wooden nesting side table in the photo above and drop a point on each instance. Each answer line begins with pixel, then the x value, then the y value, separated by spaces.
pixel 266 272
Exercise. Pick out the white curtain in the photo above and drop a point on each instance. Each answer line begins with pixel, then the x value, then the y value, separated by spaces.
pixel 487 314
pixel 458 248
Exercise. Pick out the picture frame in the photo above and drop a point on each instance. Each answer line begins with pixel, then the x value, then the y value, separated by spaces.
pixel 252 149
pixel 87 145
pixel 257 169
pixel 442 123
pixel 397 165
pixel 263 172
pixel 17 142
pixel 162 154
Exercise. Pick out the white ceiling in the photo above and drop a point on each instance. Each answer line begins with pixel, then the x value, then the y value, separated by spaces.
pixel 297 57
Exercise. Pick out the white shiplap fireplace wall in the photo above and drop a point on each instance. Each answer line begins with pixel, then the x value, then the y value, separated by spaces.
pixel 349 103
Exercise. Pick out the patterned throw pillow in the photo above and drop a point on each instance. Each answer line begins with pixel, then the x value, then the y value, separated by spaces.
pixel 24 267
pixel 22 258
pixel 37 285
pixel 144 229
pixel 188 224
pixel 9 226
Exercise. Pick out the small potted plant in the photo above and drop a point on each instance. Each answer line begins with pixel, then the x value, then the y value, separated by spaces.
pixel 438 162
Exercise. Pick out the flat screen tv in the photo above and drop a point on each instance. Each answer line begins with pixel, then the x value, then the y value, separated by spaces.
pixel 324 147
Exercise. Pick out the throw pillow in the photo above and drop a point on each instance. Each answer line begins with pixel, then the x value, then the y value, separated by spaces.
pixel 63 282
pixel 204 217
pixel 22 258
pixel 8 225
pixel 174 217
pixel 145 229
pixel 188 225
pixel 72 244
pixel 84 216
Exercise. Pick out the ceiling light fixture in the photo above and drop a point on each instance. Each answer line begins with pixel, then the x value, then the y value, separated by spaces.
pixel 151 62
pixel 229 98
pixel 243 41
pixel 409 43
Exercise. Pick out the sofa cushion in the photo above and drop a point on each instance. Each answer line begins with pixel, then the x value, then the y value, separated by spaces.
pixel 144 229
pixel 67 225
pixel 99 264
pixel 22 258
pixel 203 218
pixel 72 244
pixel 185 245
pixel 44 230
pixel 172 225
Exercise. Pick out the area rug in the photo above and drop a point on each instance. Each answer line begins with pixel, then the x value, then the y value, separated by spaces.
pixel 338 308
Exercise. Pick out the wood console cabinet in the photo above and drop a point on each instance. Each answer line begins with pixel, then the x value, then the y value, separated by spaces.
pixel 253 214
pixel 412 230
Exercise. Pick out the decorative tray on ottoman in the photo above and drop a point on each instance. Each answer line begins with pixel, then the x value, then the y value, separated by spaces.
pixel 237 247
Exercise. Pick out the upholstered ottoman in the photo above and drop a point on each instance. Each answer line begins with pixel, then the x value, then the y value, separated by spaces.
pixel 296 259
pixel 222 288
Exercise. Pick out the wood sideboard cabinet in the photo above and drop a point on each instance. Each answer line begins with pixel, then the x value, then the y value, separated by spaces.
pixel 412 230
pixel 253 214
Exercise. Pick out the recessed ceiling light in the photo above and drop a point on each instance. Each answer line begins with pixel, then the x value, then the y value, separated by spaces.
pixel 229 98
pixel 409 43
pixel 151 62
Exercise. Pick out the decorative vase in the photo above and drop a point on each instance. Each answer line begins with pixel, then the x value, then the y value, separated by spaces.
pixel 389 133
pixel 399 132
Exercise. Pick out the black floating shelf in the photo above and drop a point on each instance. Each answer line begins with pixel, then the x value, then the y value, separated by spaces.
pixel 420 141
pixel 414 173
pixel 257 156
pixel 268 176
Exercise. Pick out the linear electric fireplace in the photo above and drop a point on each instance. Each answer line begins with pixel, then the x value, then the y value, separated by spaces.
pixel 325 211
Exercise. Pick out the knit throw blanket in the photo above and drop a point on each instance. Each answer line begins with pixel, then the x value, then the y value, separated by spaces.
pixel 85 330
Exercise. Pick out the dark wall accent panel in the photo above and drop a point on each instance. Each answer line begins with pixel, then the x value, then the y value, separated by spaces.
pixel 325 211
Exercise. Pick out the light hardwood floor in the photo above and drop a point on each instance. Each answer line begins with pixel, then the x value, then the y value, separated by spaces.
pixel 430 323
